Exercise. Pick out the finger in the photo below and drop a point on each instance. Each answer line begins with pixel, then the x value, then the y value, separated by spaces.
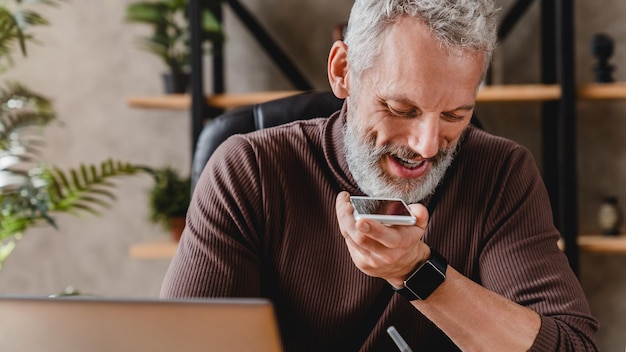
pixel 343 207
pixel 355 231
pixel 357 252
pixel 376 234
pixel 343 210
pixel 421 214
pixel 349 227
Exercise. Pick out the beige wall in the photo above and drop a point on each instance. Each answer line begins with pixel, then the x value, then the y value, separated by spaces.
pixel 601 160
pixel 88 64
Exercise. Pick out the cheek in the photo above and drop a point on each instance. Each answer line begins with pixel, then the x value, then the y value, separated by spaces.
pixel 451 132
pixel 371 124
pixel 382 130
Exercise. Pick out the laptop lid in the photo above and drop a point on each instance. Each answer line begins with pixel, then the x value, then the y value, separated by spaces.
pixel 90 324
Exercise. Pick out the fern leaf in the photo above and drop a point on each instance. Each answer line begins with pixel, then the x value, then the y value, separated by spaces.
pixel 49 190
pixel 104 192
pixel 94 172
pixel 84 208
pixel 76 182
pixel 7 247
pixel 60 178
pixel 15 90
pixel 86 177
pixel 19 108
pixel 95 200
pixel 87 187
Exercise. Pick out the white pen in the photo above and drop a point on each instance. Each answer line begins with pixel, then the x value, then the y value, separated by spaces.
pixel 397 338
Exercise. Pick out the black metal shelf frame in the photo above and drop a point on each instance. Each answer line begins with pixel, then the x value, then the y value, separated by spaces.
pixel 199 109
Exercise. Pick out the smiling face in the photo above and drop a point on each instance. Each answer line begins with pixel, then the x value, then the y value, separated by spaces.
pixel 407 112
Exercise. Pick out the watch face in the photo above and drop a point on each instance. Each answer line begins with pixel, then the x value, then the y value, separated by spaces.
pixel 425 280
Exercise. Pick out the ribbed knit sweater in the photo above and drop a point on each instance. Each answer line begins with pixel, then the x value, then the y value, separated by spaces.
pixel 262 223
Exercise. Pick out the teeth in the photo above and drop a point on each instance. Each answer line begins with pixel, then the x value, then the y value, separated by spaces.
pixel 408 163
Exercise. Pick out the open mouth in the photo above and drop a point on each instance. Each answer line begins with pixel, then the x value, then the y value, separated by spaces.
pixel 409 164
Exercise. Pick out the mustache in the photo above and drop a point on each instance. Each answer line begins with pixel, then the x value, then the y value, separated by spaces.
pixel 407 153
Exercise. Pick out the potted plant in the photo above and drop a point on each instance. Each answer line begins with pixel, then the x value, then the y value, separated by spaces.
pixel 169 200
pixel 170 36
pixel 32 191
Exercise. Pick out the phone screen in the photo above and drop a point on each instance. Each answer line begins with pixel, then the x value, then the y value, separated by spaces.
pixel 376 206
pixel 390 211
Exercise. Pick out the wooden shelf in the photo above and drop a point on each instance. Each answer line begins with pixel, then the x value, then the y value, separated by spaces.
pixel 521 92
pixel 545 92
pixel 501 93
pixel 227 101
pixel 602 243
pixel 606 91
pixel 159 249
pixel 220 101
pixel 170 102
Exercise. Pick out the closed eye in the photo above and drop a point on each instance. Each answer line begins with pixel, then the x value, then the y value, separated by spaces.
pixel 457 115
pixel 402 113
pixel 453 117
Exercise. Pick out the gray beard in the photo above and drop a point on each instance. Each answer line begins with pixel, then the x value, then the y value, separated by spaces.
pixel 363 159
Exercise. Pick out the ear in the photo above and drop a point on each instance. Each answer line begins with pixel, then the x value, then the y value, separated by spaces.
pixel 338 72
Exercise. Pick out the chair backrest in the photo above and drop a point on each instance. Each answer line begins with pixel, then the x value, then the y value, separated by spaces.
pixel 246 119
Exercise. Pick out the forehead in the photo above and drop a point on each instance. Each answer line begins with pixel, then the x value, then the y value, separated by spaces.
pixel 412 62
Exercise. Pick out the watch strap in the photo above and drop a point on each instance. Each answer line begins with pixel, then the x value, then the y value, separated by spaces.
pixel 437 266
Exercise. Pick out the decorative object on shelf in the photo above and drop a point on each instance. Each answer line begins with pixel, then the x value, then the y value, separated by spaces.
pixel 609 216
pixel 170 37
pixel 169 200
pixel 602 48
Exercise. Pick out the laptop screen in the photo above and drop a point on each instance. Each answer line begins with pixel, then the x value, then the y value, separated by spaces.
pixel 94 324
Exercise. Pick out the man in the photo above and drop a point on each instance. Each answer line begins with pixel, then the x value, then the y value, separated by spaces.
pixel 480 270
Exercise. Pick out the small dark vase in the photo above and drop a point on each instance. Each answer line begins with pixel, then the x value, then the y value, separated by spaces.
pixel 602 46
pixel 176 82
pixel 609 216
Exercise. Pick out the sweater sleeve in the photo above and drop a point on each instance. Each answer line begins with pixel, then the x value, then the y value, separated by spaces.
pixel 521 259
pixel 219 252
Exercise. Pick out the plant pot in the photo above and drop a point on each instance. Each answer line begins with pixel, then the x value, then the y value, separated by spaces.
pixel 176 82
pixel 177 225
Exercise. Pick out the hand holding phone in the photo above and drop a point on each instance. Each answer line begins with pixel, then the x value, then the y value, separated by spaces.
pixel 391 211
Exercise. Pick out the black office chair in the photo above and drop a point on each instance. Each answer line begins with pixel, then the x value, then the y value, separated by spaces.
pixel 255 117
pixel 302 106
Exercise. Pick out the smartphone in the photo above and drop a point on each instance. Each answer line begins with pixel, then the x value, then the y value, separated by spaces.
pixel 391 211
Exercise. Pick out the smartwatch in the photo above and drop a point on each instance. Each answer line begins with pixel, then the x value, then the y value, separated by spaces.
pixel 426 278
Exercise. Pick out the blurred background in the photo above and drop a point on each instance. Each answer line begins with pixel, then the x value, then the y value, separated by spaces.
pixel 89 65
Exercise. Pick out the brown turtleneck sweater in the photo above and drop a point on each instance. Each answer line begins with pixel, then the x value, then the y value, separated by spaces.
pixel 262 224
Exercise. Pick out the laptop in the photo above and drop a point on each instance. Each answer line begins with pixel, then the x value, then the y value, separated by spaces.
pixel 91 324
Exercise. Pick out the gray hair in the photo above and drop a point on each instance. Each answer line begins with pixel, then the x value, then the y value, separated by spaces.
pixel 457 24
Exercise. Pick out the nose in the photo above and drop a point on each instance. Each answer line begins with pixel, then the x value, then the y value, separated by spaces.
pixel 424 138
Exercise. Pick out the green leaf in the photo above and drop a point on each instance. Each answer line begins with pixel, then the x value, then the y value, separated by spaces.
pixel 15 25
pixel 6 248
pixel 75 192
pixel 170 35
pixel 20 107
